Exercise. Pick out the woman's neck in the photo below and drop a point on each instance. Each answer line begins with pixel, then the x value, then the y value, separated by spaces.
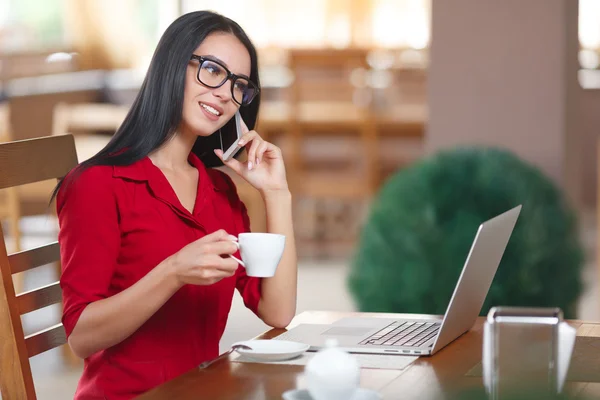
pixel 173 155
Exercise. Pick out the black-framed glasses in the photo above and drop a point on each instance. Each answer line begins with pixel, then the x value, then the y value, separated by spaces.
pixel 214 74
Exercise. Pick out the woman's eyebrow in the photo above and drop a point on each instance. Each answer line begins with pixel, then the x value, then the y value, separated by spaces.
pixel 217 59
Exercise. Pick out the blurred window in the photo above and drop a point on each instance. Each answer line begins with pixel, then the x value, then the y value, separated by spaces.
pixel 31 24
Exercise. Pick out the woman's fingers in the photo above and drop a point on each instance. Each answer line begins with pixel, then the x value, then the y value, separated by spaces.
pixel 260 151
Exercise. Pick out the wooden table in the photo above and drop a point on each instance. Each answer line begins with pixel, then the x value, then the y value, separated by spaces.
pixel 427 378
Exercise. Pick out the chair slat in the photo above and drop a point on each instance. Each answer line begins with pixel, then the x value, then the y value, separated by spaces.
pixel 33 258
pixel 34 160
pixel 39 298
pixel 45 340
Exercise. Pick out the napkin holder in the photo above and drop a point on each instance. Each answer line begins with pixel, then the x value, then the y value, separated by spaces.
pixel 526 349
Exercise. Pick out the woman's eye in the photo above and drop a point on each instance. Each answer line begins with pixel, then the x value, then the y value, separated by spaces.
pixel 240 86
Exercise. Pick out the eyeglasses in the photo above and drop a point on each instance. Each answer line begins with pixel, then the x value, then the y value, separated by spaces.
pixel 213 74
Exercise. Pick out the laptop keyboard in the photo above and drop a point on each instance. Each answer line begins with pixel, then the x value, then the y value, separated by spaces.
pixel 407 334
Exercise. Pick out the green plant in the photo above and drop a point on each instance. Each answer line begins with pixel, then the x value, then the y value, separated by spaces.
pixel 422 223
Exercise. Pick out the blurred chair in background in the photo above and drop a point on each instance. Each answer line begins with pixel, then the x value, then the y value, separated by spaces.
pixel 9 198
pixel 332 151
pixel 401 112
pixel 26 162
pixel 92 124
pixel 422 223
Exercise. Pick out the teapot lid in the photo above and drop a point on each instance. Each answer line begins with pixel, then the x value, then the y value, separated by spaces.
pixel 333 362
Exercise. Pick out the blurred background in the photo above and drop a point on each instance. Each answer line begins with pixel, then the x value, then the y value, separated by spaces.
pixel 386 111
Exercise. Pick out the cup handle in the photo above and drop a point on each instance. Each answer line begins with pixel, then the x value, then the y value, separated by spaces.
pixel 235 258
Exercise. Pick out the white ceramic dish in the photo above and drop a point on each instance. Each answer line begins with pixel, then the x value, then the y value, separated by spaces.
pixel 272 350
pixel 360 394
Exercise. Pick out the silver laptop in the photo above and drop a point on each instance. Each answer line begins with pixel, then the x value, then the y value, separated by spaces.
pixel 423 336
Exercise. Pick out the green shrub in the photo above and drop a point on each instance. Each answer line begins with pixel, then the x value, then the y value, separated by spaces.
pixel 422 223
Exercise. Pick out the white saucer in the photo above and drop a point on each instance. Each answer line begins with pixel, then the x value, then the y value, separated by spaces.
pixel 360 394
pixel 272 350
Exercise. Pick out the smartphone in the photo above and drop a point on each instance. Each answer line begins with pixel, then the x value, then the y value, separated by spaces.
pixel 234 148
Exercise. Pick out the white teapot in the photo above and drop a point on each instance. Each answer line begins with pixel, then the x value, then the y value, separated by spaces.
pixel 332 374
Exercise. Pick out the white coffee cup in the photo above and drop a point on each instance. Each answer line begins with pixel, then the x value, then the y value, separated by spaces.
pixel 261 252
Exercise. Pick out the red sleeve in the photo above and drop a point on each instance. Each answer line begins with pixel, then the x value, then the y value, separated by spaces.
pixel 89 239
pixel 248 286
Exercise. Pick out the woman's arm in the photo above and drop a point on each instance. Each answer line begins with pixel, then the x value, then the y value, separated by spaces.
pixel 107 322
pixel 277 305
pixel 265 171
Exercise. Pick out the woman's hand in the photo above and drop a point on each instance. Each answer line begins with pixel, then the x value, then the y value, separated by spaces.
pixel 205 261
pixel 265 169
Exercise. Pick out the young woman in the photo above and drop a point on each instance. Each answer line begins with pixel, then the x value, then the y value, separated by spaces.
pixel 145 224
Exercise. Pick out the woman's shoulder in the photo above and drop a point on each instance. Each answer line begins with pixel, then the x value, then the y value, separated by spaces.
pixel 94 176
pixel 94 181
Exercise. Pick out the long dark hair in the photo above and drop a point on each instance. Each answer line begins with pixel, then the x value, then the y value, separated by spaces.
pixel 157 110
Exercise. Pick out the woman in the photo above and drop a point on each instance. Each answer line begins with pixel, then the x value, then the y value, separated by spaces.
pixel 145 224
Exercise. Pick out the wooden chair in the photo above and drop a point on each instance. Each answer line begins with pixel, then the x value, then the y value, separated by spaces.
pixel 401 120
pixel 332 153
pixel 24 162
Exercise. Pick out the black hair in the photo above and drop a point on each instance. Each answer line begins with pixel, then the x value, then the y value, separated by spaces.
pixel 157 110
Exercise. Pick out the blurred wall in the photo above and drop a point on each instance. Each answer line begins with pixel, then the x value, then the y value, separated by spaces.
pixel 590 131
pixel 505 73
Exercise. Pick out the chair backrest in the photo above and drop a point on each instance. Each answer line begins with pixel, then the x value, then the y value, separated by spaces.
pixel 327 75
pixel 330 119
pixel 23 162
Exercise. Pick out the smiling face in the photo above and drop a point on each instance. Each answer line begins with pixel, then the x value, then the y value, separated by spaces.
pixel 205 109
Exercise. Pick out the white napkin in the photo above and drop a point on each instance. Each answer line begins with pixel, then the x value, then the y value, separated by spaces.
pixel 566 343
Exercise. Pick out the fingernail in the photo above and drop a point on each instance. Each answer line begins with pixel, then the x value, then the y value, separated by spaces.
pixel 250 165
pixel 231 237
pixel 257 161
pixel 241 142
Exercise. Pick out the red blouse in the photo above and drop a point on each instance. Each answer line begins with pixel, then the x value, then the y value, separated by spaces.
pixel 116 224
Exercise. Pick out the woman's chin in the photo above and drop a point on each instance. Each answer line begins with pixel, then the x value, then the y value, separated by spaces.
pixel 203 133
pixel 206 128
pixel 199 130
